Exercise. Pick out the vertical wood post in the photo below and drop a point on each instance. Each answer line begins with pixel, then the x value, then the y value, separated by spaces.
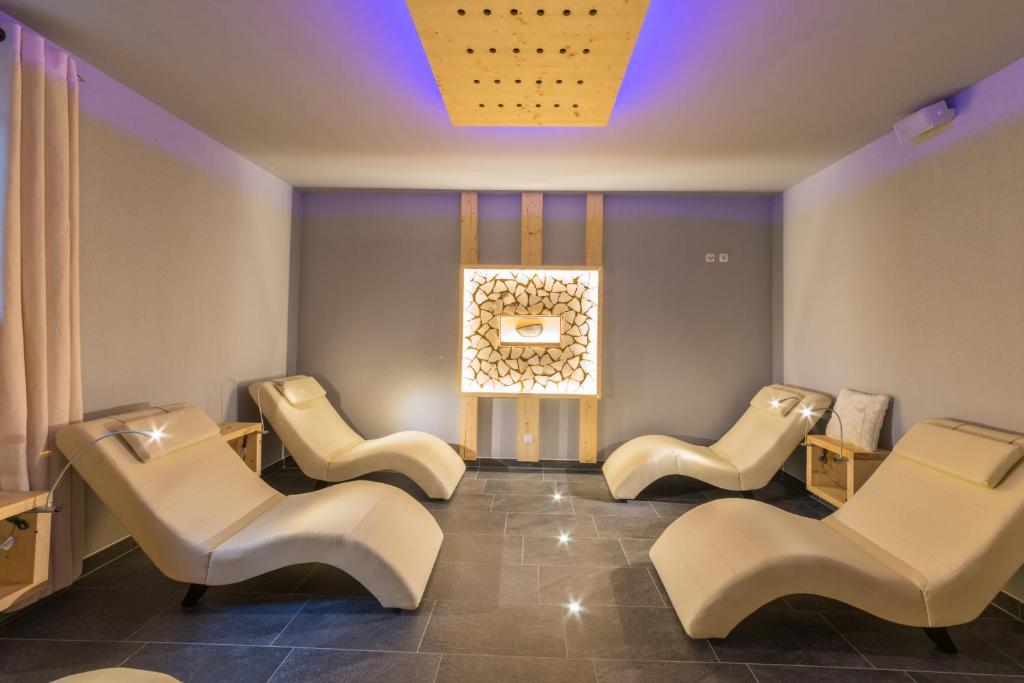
pixel 467 257
pixel 531 253
pixel 594 254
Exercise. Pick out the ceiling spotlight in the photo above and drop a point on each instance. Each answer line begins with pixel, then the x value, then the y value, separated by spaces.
pixel 574 607
pixel 563 538
pixel 156 434
pixel 557 495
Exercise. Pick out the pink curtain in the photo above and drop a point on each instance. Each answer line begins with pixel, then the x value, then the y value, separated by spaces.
pixel 40 374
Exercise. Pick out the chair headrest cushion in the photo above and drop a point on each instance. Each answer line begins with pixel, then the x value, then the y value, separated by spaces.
pixel 299 389
pixel 177 429
pixel 968 454
pixel 776 400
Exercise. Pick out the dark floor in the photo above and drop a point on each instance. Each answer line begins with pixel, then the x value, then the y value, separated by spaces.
pixel 495 609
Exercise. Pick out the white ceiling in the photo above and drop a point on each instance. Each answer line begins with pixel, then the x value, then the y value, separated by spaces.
pixel 748 95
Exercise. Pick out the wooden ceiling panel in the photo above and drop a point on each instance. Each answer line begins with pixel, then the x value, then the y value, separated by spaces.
pixel 528 62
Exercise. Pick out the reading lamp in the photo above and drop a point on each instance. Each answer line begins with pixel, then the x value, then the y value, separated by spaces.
pixel 50 507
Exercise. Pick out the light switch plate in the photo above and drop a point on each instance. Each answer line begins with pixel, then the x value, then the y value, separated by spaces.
pixel 723 257
pixel 709 258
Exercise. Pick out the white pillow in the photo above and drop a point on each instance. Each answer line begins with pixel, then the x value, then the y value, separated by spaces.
pixel 862 415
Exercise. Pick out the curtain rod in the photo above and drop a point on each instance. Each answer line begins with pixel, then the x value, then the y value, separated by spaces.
pixel 3 37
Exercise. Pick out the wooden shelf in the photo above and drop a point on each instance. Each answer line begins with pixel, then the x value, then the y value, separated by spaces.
pixel 845 470
pixel 246 439
pixel 26 566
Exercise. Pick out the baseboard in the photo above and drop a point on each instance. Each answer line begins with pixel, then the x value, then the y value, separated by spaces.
pixel 107 555
pixel 508 463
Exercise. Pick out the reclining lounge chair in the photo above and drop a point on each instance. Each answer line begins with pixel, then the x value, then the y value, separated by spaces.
pixel 745 459
pixel 928 541
pixel 328 450
pixel 204 518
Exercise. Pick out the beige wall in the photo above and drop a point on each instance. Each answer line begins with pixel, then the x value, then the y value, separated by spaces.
pixel 686 343
pixel 904 268
pixel 185 266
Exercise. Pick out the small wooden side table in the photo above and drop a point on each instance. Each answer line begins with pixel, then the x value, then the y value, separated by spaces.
pixel 246 439
pixel 844 470
pixel 26 566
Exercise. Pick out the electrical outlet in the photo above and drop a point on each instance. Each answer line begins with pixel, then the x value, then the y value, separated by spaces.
pixel 723 257
pixel 709 258
pixel 527 439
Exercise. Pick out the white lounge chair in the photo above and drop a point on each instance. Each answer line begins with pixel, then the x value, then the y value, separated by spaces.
pixel 927 541
pixel 328 450
pixel 204 518
pixel 745 459
pixel 120 675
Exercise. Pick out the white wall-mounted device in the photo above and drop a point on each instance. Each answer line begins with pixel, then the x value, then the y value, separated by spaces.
pixel 923 121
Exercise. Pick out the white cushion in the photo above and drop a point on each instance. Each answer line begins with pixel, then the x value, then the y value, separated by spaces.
pixel 976 458
pixel 300 390
pixel 172 431
pixel 862 415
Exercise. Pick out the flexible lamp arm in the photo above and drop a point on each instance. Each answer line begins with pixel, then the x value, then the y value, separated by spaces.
pixel 809 414
pixel 49 506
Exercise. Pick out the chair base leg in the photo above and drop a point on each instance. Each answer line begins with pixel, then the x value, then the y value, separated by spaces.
pixel 194 593
pixel 320 484
pixel 942 639
pixel 747 494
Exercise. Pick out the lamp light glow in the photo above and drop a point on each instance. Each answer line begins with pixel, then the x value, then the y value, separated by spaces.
pixel 157 434
pixel 574 607
pixel 557 495
pixel 563 538
pixel 806 411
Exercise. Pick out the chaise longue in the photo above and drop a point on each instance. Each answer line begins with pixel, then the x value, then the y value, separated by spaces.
pixel 328 450
pixel 746 458
pixel 204 518
pixel 927 541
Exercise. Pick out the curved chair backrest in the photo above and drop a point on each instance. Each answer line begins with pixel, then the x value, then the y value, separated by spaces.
pixel 769 431
pixel 310 427
pixel 179 504
pixel 946 508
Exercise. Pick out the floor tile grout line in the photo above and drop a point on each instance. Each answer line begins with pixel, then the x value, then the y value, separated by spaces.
pixel 426 625
pixel 149 621
pixel 134 652
pixel 280 664
pixel 842 635
pixel 297 613
pixel 437 669
pixel 993 646
pixel 654 580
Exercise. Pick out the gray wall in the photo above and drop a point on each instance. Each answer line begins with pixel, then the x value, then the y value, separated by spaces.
pixel 184 267
pixel 904 269
pixel 686 343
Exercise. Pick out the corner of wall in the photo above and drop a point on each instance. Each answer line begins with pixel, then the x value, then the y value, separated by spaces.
pixel 777 226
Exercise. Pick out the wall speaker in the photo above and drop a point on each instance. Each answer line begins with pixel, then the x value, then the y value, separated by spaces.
pixel 923 121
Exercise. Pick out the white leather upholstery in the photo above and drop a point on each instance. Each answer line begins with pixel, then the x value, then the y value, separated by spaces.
pixel 745 458
pixel 203 517
pixel 326 448
pixel 916 545
pixel 118 676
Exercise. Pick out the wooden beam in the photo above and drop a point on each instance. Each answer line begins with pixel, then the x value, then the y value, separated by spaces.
pixel 468 255
pixel 594 249
pixel 588 430
pixel 594 254
pixel 528 425
pixel 531 233
pixel 531 253
pixel 468 224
